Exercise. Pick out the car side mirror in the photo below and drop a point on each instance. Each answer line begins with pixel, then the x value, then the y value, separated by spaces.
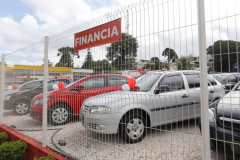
pixel 161 89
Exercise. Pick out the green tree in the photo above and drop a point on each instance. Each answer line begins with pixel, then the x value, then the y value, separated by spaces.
pixel 122 54
pixel 149 66
pixel 170 54
pixel 225 54
pixel 87 64
pixel 183 63
pixel 101 65
pixel 158 65
pixel 67 54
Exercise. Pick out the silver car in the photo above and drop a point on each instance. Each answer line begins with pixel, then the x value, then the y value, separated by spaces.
pixel 157 99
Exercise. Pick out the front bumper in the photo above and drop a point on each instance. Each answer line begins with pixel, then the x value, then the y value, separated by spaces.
pixel 225 141
pixel 105 123
pixel 36 112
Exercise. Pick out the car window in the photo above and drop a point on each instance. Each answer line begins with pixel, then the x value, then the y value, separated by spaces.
pixel 193 80
pixel 66 81
pixel 238 88
pixel 70 84
pixel 232 78
pixel 51 83
pixel 221 78
pixel 96 82
pixel 211 81
pixel 117 80
pixel 30 85
pixel 146 81
pixel 174 82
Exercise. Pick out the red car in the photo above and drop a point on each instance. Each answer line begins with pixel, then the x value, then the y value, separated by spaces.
pixel 66 102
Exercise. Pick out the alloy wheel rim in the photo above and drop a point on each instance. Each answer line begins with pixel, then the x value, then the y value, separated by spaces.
pixel 60 115
pixel 135 128
pixel 22 108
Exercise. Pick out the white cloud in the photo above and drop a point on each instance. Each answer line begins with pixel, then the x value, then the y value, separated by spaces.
pixel 55 16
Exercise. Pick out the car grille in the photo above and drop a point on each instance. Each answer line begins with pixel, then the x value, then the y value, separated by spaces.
pixel 229 125
pixel 93 126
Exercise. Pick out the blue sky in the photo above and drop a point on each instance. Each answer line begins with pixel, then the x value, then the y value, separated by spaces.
pixel 17 9
pixel 14 8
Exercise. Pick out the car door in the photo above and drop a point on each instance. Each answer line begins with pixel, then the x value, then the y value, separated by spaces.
pixel 193 80
pixel 169 104
pixel 92 86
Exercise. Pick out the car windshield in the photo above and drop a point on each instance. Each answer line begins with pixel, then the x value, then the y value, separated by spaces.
pixel 236 87
pixel 70 84
pixel 146 81
pixel 221 78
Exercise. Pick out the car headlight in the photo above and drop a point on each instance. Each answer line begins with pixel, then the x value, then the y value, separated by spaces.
pixel 40 101
pixel 7 97
pixel 211 116
pixel 100 110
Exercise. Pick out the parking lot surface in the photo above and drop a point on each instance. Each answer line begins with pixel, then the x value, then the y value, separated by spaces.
pixel 180 140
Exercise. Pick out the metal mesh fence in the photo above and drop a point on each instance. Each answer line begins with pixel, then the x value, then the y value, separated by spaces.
pixel 141 97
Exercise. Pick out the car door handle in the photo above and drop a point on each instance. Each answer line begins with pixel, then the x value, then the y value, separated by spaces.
pixel 185 96
pixel 211 91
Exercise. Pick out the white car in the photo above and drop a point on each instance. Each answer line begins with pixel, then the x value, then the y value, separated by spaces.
pixel 159 98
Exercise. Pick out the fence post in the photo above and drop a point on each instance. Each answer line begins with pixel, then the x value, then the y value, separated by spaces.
pixel 2 88
pixel 203 81
pixel 45 78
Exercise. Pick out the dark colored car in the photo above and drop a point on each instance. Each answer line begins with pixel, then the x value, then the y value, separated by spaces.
pixel 25 86
pixel 228 80
pixel 20 101
pixel 224 121
pixel 66 102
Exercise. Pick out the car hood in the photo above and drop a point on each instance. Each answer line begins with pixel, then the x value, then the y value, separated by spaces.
pixel 6 93
pixel 229 105
pixel 115 98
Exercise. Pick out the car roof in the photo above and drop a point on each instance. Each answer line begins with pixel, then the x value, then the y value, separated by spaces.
pixel 30 82
pixel 223 74
pixel 182 71
pixel 96 75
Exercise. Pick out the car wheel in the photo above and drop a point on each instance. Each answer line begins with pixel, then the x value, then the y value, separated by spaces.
pixel 21 108
pixel 58 115
pixel 133 128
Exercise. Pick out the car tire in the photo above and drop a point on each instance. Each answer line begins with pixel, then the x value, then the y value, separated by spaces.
pixel 21 108
pixel 58 115
pixel 133 127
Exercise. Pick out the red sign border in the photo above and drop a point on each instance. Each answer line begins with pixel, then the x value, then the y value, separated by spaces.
pixel 97 27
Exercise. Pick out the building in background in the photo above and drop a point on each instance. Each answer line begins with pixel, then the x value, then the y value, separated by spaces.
pixel 19 74
pixel 141 63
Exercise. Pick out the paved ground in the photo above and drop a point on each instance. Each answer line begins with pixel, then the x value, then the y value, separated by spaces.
pixel 176 141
